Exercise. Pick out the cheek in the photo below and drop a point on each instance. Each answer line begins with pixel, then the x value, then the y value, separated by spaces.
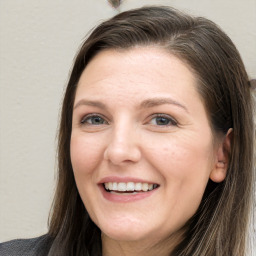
pixel 185 165
pixel 195 154
pixel 181 158
pixel 85 157
pixel 85 154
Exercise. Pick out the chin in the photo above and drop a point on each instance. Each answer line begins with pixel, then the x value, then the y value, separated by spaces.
pixel 123 235
pixel 134 231
pixel 126 230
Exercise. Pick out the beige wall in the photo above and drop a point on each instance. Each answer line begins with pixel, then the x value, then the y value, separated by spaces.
pixel 38 40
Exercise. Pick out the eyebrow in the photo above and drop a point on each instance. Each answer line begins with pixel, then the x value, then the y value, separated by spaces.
pixel 90 103
pixel 149 103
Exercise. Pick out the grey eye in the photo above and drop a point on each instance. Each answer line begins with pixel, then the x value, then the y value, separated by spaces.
pixel 93 120
pixel 163 120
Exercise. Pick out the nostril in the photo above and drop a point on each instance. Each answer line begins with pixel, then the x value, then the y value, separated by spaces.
pixel 120 153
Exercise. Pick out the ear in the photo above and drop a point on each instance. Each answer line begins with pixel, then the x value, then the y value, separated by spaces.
pixel 219 172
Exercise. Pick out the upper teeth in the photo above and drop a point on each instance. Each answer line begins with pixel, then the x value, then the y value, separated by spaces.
pixel 129 186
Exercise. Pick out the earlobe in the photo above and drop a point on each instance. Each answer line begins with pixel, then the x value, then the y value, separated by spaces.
pixel 219 172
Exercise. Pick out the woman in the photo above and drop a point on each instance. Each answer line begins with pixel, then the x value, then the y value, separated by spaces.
pixel 155 143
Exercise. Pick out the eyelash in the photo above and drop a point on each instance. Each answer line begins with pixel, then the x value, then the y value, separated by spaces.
pixel 85 119
pixel 171 121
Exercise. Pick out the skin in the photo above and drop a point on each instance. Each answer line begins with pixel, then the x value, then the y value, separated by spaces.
pixel 126 138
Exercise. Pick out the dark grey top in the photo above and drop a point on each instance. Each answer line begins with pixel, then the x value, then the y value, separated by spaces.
pixel 26 247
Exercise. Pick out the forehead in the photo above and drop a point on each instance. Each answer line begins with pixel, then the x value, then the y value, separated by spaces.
pixel 147 68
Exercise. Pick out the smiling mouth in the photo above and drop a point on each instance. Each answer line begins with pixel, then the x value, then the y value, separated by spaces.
pixel 129 187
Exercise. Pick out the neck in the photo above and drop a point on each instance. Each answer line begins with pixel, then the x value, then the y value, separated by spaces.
pixel 111 247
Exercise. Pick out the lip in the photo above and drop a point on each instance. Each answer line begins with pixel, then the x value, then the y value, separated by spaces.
pixel 125 198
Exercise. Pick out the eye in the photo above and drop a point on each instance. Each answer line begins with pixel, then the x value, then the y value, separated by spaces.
pixel 163 120
pixel 93 120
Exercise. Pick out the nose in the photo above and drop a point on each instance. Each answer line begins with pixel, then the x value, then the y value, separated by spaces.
pixel 123 147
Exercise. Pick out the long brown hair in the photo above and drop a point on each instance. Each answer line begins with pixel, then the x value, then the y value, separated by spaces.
pixel 220 226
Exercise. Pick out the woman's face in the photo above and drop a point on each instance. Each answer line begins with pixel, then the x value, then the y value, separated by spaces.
pixel 141 145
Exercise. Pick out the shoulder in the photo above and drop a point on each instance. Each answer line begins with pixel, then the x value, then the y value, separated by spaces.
pixel 29 247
